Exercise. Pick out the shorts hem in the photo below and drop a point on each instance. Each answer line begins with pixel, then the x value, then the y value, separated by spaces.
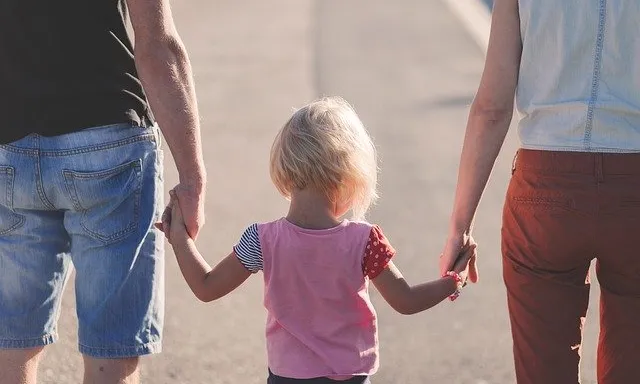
pixel 121 352
pixel 35 342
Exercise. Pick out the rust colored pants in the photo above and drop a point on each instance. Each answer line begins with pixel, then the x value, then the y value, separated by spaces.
pixel 562 210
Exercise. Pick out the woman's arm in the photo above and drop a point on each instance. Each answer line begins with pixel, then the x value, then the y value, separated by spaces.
pixel 487 126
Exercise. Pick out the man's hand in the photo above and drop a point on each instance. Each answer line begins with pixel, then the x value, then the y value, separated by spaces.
pixel 181 197
pixel 191 201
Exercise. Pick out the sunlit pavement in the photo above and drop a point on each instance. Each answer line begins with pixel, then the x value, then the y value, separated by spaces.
pixel 410 70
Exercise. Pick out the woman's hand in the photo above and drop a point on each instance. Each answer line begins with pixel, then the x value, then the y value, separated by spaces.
pixel 460 255
pixel 489 119
pixel 466 261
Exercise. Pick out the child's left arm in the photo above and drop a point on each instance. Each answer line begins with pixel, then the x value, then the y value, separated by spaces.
pixel 206 283
pixel 409 300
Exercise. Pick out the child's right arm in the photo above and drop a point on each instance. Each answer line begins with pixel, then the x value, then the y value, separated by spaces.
pixel 206 283
pixel 409 300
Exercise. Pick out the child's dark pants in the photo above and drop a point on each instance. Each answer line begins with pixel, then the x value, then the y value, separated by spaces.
pixel 273 379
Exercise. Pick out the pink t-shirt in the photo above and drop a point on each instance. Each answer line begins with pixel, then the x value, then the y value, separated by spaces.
pixel 320 320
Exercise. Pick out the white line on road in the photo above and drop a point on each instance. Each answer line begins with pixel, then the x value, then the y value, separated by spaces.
pixel 476 18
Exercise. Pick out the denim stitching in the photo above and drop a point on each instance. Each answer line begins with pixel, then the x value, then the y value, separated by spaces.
pixel 28 339
pixel 69 175
pixel 20 219
pixel 39 183
pixel 71 189
pixel 32 342
pixel 129 228
pixel 8 171
pixel 123 351
pixel 101 147
pixel 77 151
pixel 595 83
pixel 114 236
pixel 108 172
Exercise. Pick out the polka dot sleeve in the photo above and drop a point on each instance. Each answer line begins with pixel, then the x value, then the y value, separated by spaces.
pixel 378 253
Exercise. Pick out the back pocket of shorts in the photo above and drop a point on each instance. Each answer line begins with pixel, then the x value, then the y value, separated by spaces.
pixel 108 200
pixel 9 220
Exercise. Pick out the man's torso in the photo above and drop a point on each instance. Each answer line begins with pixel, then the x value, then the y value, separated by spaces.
pixel 65 66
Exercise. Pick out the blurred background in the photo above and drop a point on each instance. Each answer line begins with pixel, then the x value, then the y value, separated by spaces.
pixel 410 68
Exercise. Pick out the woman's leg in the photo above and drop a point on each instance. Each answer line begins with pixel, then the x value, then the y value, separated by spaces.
pixel 618 270
pixel 547 249
pixel 619 344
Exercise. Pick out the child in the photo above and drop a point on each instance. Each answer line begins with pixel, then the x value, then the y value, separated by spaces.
pixel 321 325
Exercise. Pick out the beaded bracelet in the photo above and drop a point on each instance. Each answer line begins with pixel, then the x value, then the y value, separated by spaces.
pixel 460 283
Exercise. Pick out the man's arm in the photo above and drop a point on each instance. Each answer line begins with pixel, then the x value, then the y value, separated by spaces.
pixel 165 72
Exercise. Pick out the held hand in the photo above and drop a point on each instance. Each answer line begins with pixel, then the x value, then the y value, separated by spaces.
pixel 455 248
pixel 177 228
pixel 191 201
pixel 165 220
pixel 462 266
pixel 168 223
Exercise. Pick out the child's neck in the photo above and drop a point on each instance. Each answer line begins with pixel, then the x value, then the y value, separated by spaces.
pixel 310 209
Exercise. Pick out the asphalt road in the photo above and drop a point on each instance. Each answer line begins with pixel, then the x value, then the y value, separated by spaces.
pixel 411 71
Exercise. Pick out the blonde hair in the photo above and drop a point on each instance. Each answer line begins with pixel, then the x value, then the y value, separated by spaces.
pixel 325 146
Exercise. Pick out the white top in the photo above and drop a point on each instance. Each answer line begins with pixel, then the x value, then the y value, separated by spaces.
pixel 579 85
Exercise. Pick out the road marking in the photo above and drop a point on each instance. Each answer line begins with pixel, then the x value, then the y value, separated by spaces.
pixel 476 18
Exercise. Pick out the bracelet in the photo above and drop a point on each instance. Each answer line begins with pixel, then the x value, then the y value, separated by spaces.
pixel 460 283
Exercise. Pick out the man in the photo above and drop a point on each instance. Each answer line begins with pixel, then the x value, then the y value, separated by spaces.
pixel 80 176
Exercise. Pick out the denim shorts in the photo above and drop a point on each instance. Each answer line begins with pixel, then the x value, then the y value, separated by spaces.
pixel 89 200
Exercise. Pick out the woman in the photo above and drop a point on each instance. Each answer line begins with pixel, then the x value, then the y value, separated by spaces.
pixel 574 67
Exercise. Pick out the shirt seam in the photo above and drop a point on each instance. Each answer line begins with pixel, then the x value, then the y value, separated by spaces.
pixel 595 82
pixel 578 149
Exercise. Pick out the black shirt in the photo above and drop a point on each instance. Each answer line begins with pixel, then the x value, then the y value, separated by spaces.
pixel 66 65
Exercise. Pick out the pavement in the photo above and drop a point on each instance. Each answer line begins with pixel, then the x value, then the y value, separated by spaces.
pixel 411 70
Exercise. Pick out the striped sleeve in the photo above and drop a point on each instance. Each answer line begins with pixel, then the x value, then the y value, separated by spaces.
pixel 248 249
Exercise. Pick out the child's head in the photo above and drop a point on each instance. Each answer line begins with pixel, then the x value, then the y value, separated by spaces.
pixel 324 146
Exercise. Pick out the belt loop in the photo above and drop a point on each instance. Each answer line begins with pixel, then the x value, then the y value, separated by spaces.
pixel 599 172
pixel 158 134
pixel 513 163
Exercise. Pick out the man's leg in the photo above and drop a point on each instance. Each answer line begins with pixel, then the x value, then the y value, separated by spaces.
pixel 111 371
pixel 33 272
pixel 115 198
pixel 19 366
pixel 33 265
